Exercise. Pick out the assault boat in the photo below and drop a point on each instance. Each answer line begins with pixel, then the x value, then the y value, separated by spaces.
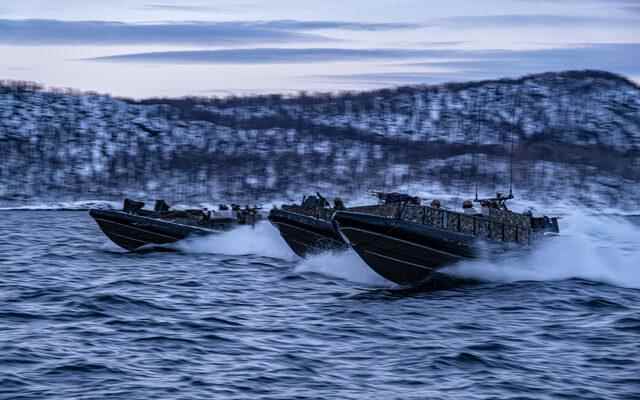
pixel 307 227
pixel 406 242
pixel 134 227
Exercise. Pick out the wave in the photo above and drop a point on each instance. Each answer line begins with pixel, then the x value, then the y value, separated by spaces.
pixel 265 240
pixel 80 205
pixel 262 240
pixel 598 249
pixel 346 265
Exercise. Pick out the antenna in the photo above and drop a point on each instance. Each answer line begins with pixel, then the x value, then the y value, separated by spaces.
pixel 516 104
pixel 511 168
pixel 477 149
pixel 480 100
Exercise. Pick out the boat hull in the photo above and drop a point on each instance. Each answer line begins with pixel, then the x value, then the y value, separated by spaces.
pixel 306 235
pixel 403 252
pixel 131 231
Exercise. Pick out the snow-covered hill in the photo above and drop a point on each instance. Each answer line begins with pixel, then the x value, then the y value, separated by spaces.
pixel 576 138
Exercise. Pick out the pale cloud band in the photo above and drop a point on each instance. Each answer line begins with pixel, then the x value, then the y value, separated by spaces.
pixel 180 7
pixel 511 21
pixel 275 55
pixel 42 32
pixel 473 63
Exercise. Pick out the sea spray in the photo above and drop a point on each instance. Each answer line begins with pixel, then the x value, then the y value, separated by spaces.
pixel 80 205
pixel 261 240
pixel 599 249
pixel 345 265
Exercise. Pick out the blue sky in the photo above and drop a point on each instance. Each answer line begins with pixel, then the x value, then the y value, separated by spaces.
pixel 143 48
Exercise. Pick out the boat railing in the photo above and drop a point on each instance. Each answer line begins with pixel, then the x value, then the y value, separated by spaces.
pixel 326 213
pixel 314 212
pixel 382 210
pixel 499 225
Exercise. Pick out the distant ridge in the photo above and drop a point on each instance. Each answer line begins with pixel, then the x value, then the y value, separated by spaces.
pixel 26 85
pixel 577 135
pixel 570 74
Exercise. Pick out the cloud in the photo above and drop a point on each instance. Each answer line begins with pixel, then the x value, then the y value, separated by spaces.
pixel 603 56
pixel 182 7
pixel 340 25
pixel 490 63
pixel 584 2
pixel 536 20
pixel 441 65
pixel 56 32
pixel 440 44
pixel 391 78
pixel 578 1
pixel 631 6
pixel 276 55
pixel 19 69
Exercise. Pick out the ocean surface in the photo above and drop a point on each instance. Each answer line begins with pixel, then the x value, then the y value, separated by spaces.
pixel 238 316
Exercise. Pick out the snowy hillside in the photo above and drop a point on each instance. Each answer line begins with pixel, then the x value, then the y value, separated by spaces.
pixel 576 137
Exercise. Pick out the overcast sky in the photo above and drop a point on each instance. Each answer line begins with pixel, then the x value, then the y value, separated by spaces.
pixel 143 48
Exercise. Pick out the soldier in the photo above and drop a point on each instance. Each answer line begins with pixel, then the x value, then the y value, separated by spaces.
pixel 467 207
pixel 206 215
pixel 485 208
pixel 310 202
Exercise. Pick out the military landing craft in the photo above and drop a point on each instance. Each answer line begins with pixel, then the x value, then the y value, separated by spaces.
pixel 307 227
pixel 406 242
pixel 134 227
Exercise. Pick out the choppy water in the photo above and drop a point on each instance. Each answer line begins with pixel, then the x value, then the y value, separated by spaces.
pixel 81 319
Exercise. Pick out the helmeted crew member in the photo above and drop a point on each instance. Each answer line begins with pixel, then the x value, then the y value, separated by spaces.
pixel 467 207
pixel 435 203
pixel 485 208
pixel 206 214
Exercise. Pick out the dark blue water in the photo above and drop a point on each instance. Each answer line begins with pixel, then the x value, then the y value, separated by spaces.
pixel 80 319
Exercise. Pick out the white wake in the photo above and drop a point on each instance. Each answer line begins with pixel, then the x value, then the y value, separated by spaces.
pixel 265 240
pixel 345 265
pixel 599 249
pixel 262 240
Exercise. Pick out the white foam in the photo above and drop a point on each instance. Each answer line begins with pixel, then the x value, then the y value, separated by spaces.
pixel 345 265
pixel 265 240
pixel 64 205
pixel 599 249
pixel 262 240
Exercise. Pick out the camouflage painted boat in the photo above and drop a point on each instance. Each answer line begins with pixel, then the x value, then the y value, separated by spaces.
pixel 134 227
pixel 307 227
pixel 405 243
